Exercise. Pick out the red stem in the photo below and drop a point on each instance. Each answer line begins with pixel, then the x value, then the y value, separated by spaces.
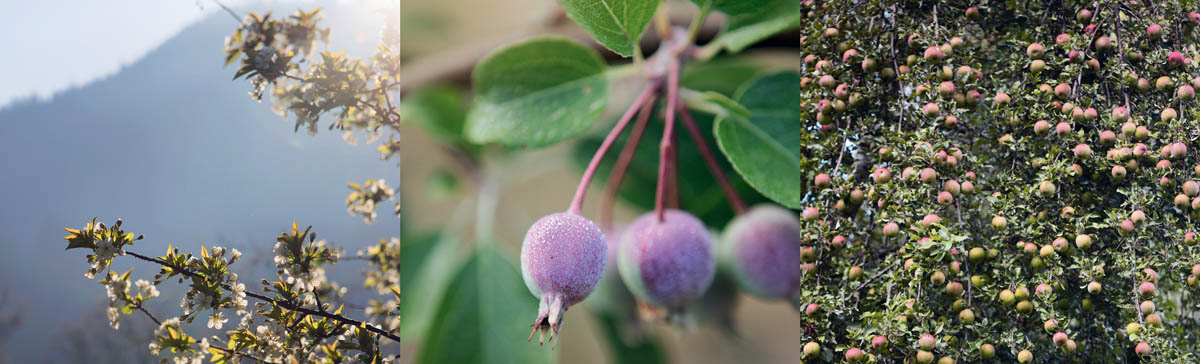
pixel 735 200
pixel 577 202
pixel 667 144
pixel 623 161
pixel 673 186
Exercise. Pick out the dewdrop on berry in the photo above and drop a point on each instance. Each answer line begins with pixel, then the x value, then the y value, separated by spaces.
pixel 562 260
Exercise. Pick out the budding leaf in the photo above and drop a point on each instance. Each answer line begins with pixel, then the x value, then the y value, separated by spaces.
pixel 768 149
pixel 78 240
pixel 617 24
pixel 536 93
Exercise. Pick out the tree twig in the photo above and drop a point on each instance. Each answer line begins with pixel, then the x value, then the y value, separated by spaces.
pixel 235 15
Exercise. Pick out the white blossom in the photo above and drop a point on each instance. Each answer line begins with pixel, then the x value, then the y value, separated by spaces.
pixel 216 320
pixel 114 314
pixel 145 289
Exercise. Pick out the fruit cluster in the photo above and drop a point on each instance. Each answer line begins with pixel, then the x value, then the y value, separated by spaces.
pixel 991 180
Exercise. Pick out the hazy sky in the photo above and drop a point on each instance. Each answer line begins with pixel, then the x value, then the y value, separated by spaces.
pixel 52 45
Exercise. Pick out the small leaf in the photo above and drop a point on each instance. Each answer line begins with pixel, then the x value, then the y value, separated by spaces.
pixel 484 316
pixel 242 71
pixel 537 93
pixel 768 149
pixel 617 24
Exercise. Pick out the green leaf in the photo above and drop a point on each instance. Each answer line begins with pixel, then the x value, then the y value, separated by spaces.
pixel 749 24
pixel 617 24
pixel 440 110
pixel 768 149
pixel 624 350
pixel 426 264
pixel 537 93
pixel 699 193
pixel 484 316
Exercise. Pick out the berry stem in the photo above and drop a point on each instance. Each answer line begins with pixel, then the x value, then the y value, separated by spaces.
pixel 673 180
pixel 667 145
pixel 623 161
pixel 735 200
pixel 577 202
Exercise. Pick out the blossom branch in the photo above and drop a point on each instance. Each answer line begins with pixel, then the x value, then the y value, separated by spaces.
pixel 283 304
pixel 227 351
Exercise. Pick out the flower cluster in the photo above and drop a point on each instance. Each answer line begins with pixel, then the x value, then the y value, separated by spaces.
pixel 270 45
pixel 384 278
pixel 172 345
pixel 366 197
pixel 274 53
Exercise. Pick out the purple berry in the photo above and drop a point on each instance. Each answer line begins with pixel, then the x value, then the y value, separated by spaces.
pixel 762 248
pixel 668 263
pixel 562 260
